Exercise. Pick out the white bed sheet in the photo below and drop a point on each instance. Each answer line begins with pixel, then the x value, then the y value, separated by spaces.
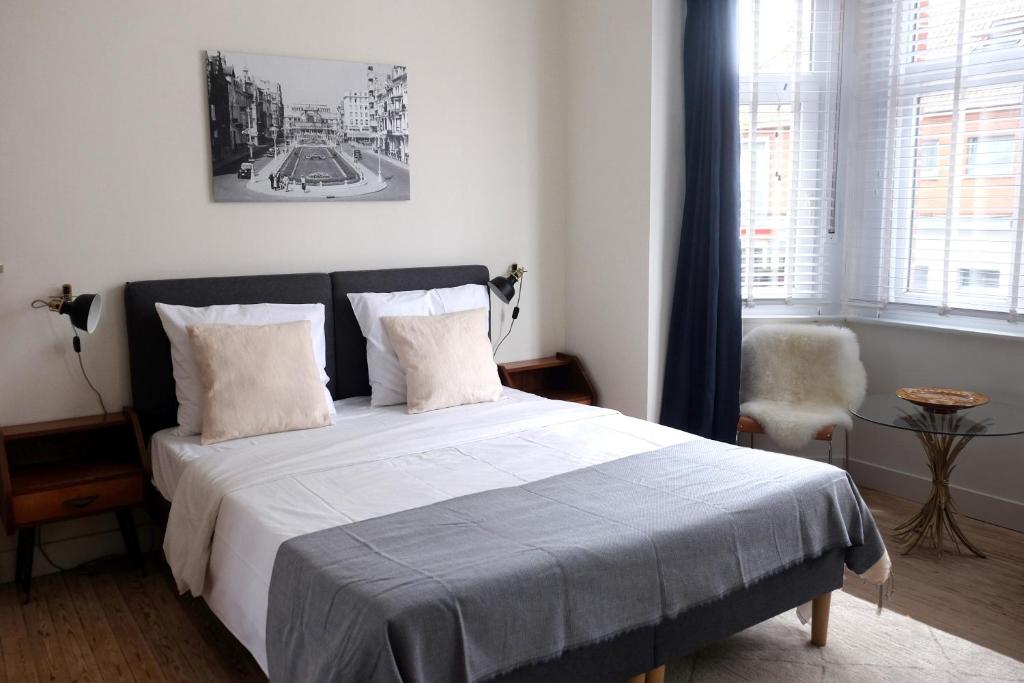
pixel 252 522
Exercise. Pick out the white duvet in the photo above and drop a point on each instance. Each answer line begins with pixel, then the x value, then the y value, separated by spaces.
pixel 234 503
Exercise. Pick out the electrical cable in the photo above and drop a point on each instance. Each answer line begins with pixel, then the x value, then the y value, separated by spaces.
pixel 88 564
pixel 501 331
pixel 515 315
pixel 77 344
pixel 46 555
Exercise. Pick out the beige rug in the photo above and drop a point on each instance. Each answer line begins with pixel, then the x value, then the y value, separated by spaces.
pixel 862 647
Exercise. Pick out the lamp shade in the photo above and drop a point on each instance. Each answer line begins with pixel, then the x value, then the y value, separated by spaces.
pixel 503 287
pixel 84 311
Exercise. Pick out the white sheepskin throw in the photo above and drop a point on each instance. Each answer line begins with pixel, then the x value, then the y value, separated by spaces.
pixel 797 379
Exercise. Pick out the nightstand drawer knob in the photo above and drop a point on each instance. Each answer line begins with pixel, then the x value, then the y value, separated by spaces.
pixel 81 502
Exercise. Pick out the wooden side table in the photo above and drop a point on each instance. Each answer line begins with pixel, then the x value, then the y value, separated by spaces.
pixel 560 377
pixel 70 468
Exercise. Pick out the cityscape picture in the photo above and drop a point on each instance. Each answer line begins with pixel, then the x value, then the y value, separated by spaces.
pixel 290 129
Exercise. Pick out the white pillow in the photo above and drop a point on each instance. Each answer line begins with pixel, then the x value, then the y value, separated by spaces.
pixel 187 383
pixel 387 380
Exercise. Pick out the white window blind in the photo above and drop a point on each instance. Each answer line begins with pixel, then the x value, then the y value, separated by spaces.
pixel 937 222
pixel 789 84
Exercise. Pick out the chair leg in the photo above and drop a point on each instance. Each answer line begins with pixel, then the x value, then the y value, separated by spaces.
pixel 830 451
pixel 751 439
pixel 846 449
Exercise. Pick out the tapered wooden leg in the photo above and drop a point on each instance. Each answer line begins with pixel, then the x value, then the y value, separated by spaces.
pixel 656 675
pixel 652 676
pixel 819 619
pixel 25 554
pixel 131 539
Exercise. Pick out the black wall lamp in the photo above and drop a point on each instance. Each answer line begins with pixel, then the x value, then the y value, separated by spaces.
pixel 503 287
pixel 83 310
pixel 84 313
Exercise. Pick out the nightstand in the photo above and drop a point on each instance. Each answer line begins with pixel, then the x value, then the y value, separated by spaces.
pixel 560 377
pixel 63 469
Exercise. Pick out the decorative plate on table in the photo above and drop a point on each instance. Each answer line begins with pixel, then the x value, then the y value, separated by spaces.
pixel 940 400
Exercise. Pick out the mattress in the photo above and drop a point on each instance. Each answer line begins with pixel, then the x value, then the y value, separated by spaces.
pixel 361 474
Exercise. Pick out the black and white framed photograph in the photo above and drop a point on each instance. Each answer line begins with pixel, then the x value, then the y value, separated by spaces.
pixel 293 129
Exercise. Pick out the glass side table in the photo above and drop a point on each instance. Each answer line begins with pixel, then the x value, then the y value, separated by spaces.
pixel 943 436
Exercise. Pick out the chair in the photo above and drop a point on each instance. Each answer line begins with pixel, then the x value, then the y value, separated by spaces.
pixel 798 383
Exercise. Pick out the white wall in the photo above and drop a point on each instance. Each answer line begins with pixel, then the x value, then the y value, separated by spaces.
pixel 625 192
pixel 668 184
pixel 106 164
pixel 608 135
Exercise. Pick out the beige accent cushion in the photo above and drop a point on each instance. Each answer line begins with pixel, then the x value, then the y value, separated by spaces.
pixel 257 379
pixel 447 359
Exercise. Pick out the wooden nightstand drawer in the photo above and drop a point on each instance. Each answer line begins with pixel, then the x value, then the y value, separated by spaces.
pixel 77 499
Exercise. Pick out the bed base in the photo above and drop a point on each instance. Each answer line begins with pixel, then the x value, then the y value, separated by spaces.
pixel 648 649
pixel 819 636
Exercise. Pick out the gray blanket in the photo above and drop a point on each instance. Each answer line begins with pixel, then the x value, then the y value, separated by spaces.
pixel 468 588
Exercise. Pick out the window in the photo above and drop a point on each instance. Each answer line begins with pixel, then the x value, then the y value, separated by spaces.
pixel 919 278
pixel 789 77
pixel 928 158
pixel 990 155
pixel 934 215
pixel 761 175
pixel 978 277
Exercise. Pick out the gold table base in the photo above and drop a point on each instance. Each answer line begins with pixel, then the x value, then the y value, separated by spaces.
pixel 937 518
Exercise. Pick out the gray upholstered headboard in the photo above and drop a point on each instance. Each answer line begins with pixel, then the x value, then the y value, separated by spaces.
pixel 149 351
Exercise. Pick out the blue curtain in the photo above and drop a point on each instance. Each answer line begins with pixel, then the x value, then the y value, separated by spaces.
pixel 702 366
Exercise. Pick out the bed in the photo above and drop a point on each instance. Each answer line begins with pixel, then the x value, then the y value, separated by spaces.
pixel 374 463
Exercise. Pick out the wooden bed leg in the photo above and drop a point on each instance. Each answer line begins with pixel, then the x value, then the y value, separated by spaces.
pixel 819 619
pixel 652 676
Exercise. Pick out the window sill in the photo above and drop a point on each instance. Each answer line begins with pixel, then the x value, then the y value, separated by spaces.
pixel 772 317
pixel 972 328
pixel 978 327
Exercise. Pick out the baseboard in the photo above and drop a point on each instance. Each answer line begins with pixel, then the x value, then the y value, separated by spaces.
pixel 974 504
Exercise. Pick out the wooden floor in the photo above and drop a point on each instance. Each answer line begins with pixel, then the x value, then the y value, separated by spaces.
pixel 116 626
pixel 112 625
